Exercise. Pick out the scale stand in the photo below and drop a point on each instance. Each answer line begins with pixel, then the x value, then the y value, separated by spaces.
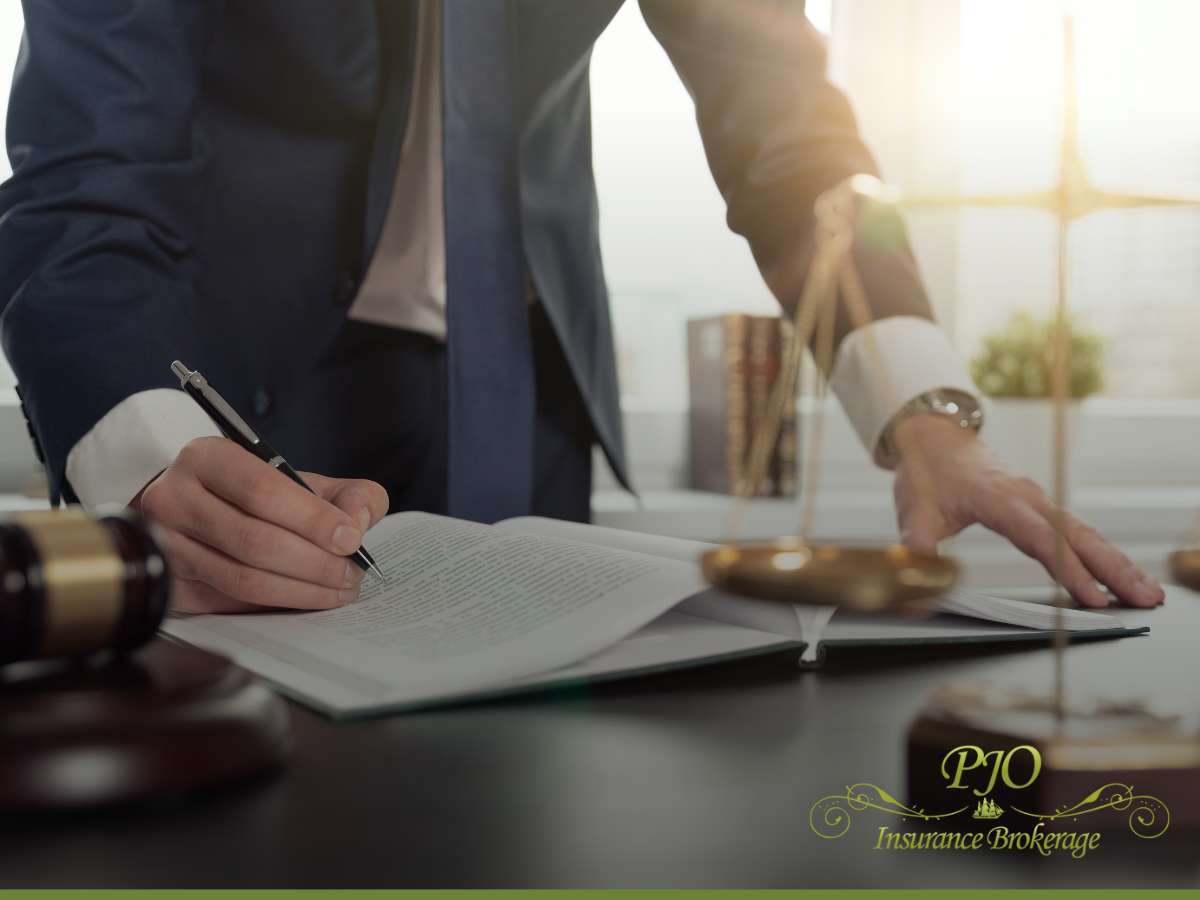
pixel 1111 762
pixel 1117 763
pixel 1097 767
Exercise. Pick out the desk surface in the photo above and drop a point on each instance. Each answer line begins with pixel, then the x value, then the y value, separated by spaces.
pixel 702 778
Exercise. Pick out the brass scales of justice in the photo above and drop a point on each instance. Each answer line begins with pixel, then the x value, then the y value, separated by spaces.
pixel 1081 744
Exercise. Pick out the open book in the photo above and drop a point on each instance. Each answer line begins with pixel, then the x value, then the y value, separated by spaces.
pixel 475 610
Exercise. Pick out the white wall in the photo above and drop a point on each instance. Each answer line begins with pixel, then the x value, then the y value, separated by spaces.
pixel 667 251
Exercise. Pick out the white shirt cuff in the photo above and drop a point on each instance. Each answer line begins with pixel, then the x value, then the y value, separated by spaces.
pixel 132 443
pixel 916 357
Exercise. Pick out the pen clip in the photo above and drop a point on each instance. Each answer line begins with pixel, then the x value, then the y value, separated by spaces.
pixel 198 383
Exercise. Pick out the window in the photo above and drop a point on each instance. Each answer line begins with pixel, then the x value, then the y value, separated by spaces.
pixel 953 96
pixel 1134 275
pixel 964 95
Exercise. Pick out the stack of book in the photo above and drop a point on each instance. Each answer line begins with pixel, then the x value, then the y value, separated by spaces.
pixel 733 365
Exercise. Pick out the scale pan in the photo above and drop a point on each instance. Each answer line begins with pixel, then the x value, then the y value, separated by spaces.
pixel 1185 568
pixel 864 579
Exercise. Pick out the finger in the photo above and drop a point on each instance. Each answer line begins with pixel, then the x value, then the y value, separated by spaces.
pixel 264 493
pixel 260 544
pixel 1107 564
pixel 197 597
pixel 365 500
pixel 1033 535
pixel 922 527
pixel 197 562
pixel 1113 568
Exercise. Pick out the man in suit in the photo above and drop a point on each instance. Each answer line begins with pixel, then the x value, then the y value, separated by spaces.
pixel 373 225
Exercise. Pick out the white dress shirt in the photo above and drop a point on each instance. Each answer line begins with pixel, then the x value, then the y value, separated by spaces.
pixel 405 287
pixel 405 284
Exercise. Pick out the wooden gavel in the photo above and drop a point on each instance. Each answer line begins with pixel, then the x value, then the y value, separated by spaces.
pixel 72 585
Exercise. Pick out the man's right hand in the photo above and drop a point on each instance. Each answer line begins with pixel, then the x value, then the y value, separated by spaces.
pixel 243 537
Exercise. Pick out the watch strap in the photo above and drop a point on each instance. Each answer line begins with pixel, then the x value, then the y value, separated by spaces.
pixel 958 406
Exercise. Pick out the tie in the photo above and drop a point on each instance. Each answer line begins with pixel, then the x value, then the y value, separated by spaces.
pixel 490 361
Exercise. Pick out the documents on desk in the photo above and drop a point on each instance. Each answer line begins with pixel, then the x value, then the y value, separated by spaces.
pixel 474 610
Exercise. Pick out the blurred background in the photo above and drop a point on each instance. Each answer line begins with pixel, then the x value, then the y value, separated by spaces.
pixel 953 96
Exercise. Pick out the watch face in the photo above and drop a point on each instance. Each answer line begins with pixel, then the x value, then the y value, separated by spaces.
pixel 957 406
pixel 960 406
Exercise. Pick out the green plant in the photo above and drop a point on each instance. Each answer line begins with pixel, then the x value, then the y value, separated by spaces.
pixel 1018 360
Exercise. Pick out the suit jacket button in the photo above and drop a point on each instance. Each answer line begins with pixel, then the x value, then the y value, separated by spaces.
pixel 347 287
pixel 262 401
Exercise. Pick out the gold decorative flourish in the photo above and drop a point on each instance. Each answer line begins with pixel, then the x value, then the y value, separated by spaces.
pixel 834 810
pixel 1143 817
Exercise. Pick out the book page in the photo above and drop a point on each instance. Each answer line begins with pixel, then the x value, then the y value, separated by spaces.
pixel 868 629
pixel 809 623
pixel 465 607
pixel 1023 612
pixel 672 640
pixel 746 612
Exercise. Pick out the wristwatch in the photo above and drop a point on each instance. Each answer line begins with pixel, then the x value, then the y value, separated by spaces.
pixel 957 406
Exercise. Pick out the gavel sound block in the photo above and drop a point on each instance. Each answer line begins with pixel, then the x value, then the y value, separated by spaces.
pixel 167 720
pixel 93 709
pixel 1102 766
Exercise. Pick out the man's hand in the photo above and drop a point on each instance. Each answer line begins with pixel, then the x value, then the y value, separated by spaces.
pixel 243 537
pixel 970 485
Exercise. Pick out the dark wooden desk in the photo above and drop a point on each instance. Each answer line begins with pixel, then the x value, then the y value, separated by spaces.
pixel 692 779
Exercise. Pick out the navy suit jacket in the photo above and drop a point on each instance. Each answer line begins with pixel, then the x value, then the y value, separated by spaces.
pixel 207 179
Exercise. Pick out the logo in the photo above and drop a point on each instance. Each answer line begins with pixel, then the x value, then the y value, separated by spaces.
pixel 987 809
pixel 971 773
pixel 996 763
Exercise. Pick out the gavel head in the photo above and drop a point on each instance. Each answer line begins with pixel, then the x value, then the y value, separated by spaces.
pixel 72 585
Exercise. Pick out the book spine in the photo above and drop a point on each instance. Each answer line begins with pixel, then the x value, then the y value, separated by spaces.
pixel 737 402
pixel 734 362
pixel 762 365
pixel 716 407
pixel 787 457
pixel 705 400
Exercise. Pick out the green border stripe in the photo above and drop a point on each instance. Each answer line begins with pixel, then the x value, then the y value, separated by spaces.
pixel 236 894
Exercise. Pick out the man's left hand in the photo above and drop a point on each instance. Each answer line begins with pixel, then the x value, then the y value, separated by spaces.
pixel 967 484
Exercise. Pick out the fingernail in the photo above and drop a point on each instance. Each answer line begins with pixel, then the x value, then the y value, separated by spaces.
pixel 353 576
pixel 346 539
pixel 1149 591
pixel 348 595
pixel 364 519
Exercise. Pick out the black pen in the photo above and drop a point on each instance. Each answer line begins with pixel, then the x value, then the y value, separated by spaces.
pixel 235 428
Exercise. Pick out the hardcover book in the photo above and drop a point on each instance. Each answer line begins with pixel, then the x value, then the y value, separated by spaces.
pixel 734 362
pixel 473 611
